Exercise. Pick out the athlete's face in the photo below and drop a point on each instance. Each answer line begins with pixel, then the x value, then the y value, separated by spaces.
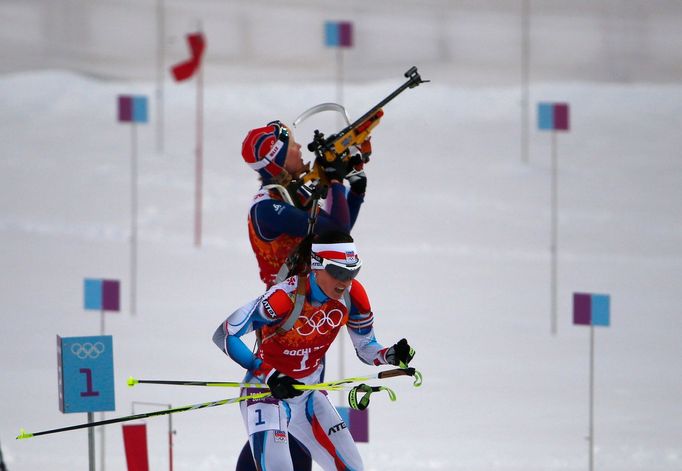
pixel 329 285
pixel 294 159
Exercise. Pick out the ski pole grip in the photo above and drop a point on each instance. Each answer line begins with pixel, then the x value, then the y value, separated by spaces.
pixel 396 372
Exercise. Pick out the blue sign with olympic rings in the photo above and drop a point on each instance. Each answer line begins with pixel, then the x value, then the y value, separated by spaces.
pixel 86 374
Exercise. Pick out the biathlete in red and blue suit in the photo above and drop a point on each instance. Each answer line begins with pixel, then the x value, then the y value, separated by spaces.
pixel 278 217
pixel 292 355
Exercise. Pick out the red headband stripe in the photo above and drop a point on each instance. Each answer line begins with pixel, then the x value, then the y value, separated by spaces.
pixel 332 255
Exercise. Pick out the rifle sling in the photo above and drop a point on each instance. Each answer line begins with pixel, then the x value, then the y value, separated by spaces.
pixel 286 325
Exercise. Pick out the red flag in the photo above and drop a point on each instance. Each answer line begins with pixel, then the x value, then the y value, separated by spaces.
pixel 186 69
pixel 135 442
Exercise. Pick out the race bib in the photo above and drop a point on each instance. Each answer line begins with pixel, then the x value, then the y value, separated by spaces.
pixel 264 414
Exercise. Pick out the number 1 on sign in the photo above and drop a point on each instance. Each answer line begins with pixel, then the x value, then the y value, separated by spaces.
pixel 88 383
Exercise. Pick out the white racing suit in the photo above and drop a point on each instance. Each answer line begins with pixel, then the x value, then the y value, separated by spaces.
pixel 298 353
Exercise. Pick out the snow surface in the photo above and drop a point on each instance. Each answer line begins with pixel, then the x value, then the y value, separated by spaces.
pixel 455 237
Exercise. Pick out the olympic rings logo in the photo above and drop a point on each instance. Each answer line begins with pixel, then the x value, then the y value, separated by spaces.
pixel 87 350
pixel 321 322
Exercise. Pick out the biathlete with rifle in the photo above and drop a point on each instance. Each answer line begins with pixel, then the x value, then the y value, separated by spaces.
pixel 279 215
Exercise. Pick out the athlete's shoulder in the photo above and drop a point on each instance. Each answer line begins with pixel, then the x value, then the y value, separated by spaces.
pixel 288 286
pixel 277 305
pixel 358 297
pixel 278 300
pixel 269 203
pixel 260 196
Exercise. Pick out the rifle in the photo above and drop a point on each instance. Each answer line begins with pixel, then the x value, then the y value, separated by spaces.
pixel 297 261
pixel 356 135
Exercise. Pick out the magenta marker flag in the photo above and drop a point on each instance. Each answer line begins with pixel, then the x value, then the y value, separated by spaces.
pixel 133 109
pixel 561 117
pixel 591 309
pixel 346 34
pixel 338 34
pixel 111 300
pixel 582 309
pixel 554 117
pixel 357 422
pixel 101 295
pixel 125 109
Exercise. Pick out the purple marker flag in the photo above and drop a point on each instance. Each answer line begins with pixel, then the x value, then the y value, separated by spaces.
pixel 101 295
pixel 553 117
pixel 338 34
pixel 591 309
pixel 357 422
pixel 132 109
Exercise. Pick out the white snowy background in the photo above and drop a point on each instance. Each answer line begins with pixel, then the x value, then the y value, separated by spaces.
pixel 454 234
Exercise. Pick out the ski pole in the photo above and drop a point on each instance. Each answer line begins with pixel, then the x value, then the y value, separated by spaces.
pixel 232 384
pixel 409 371
pixel 327 385
pixel 23 434
pixel 222 384
pixel 332 385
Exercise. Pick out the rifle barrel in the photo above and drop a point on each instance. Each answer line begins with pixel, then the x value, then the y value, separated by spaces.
pixel 413 80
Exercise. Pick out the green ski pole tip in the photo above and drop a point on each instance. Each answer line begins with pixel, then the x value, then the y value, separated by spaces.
pixel 132 382
pixel 23 435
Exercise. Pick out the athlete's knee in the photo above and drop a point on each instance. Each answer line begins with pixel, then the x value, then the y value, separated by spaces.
pixel 270 450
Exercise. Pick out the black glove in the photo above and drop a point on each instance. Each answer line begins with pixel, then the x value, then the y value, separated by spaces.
pixel 400 353
pixel 336 170
pixel 282 386
pixel 358 183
